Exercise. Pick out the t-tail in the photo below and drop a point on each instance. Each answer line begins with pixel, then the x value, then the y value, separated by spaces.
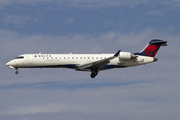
pixel 152 48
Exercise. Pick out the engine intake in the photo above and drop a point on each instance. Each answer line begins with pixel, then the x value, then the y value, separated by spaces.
pixel 127 56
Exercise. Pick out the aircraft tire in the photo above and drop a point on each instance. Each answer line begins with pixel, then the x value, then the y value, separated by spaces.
pixel 16 72
pixel 93 75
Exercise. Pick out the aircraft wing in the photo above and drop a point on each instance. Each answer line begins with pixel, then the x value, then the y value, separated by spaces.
pixel 97 64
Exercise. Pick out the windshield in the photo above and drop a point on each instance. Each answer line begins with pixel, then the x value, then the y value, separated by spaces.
pixel 20 57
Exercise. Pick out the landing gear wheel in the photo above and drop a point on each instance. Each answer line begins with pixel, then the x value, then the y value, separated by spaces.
pixel 16 72
pixel 94 73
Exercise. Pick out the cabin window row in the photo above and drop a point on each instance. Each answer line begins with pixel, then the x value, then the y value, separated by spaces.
pixel 75 57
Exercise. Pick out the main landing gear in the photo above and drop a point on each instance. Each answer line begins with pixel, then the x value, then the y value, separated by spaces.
pixel 94 73
pixel 16 71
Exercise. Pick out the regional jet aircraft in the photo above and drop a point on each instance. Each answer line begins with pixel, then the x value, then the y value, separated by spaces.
pixel 89 62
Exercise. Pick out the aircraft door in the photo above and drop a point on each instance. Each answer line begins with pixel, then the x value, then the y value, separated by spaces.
pixel 30 59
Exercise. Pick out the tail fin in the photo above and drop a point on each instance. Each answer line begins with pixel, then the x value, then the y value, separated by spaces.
pixel 152 48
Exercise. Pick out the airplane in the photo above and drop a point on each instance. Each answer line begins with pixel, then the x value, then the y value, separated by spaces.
pixel 89 62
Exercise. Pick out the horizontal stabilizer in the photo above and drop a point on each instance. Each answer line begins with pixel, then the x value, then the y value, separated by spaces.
pixel 159 42
pixel 164 44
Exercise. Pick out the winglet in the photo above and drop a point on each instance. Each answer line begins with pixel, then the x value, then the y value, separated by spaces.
pixel 116 55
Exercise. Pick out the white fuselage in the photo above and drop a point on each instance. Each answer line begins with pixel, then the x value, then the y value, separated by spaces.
pixel 73 61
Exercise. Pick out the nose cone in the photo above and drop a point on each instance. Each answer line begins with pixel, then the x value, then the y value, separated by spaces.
pixel 10 64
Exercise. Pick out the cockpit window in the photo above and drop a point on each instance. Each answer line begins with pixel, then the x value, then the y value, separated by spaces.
pixel 20 57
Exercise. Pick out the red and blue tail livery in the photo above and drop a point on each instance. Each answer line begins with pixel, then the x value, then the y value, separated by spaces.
pixel 152 48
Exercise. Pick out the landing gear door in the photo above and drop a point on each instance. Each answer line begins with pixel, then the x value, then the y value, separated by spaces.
pixel 30 59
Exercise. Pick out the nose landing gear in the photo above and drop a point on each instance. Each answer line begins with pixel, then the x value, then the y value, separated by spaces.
pixel 16 71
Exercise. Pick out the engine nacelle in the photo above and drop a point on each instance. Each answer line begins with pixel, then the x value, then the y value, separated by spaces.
pixel 126 56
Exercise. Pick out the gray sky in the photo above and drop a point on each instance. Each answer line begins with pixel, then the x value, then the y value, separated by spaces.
pixel 89 26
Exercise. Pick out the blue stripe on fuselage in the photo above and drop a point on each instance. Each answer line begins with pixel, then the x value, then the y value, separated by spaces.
pixel 74 66
pixel 112 66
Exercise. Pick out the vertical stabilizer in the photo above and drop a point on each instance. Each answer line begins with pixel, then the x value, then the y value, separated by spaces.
pixel 152 48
